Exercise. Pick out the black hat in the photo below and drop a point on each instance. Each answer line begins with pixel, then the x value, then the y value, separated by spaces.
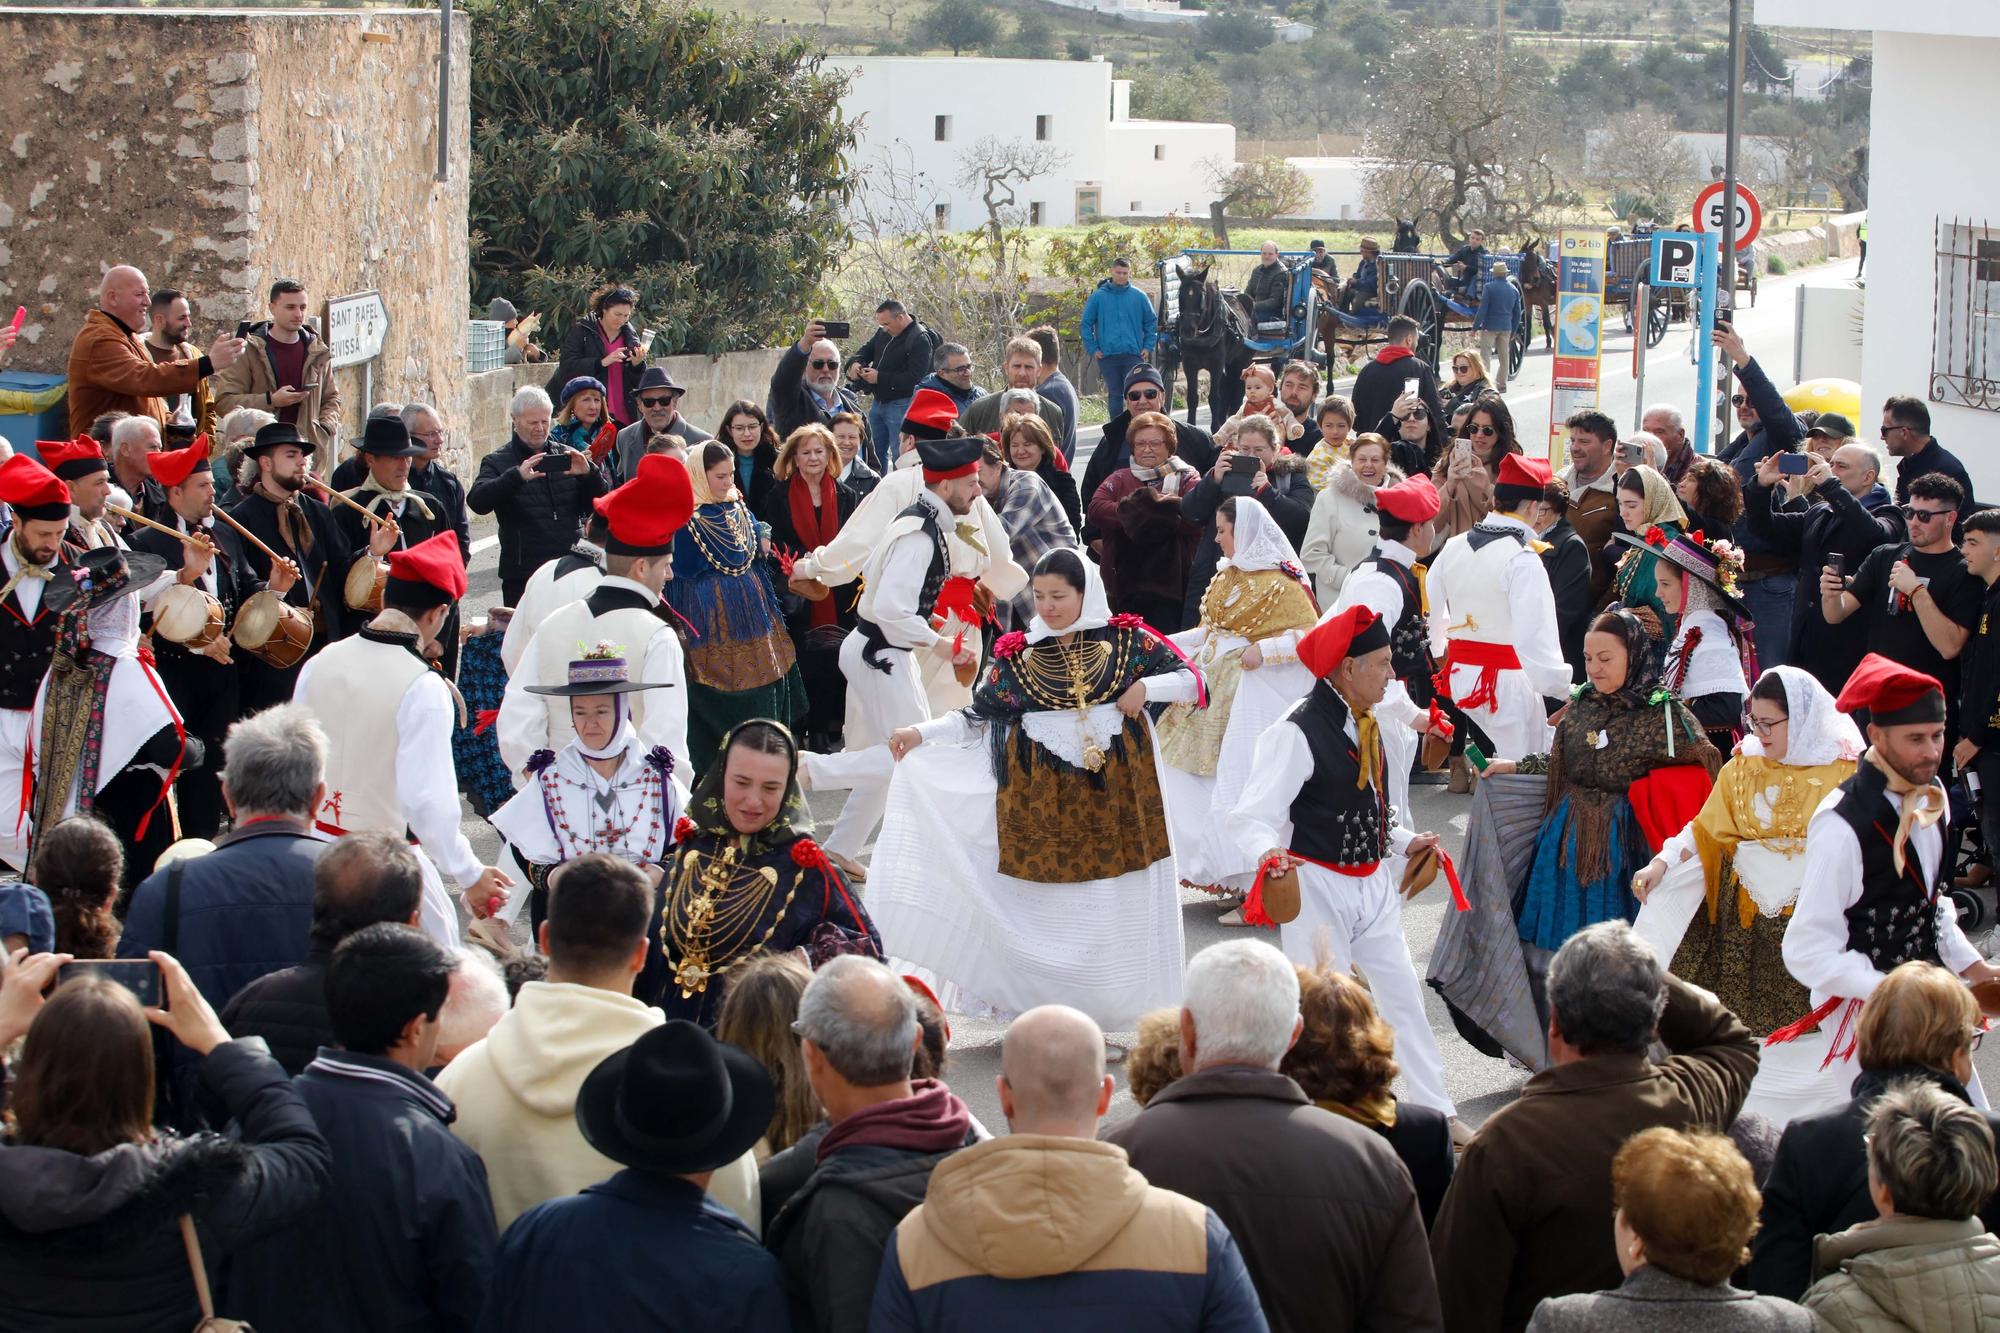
pixel 676 1101
pixel 1317 244
pixel 387 437
pixel 946 459
pixel 275 434
pixel 598 672
pixel 107 573
pixel 1144 373
pixel 656 377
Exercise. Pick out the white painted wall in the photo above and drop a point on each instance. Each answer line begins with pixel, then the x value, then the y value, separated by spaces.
pixel 1937 18
pixel 894 102
pixel 1338 185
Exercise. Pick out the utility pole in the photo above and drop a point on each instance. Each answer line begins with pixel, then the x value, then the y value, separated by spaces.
pixel 1728 275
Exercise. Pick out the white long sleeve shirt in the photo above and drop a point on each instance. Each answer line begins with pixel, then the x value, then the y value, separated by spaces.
pixel 1531 610
pixel 1262 818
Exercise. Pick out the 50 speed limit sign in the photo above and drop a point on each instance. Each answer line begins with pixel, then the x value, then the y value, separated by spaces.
pixel 1709 215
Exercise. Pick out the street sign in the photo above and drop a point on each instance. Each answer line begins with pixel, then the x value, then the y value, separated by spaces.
pixel 1708 215
pixel 355 327
pixel 1577 367
pixel 1673 262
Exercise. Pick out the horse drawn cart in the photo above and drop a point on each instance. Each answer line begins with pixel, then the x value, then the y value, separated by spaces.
pixel 1416 286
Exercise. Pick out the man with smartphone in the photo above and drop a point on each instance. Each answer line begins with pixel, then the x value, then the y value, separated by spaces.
pixel 1770 574
pixel 806 386
pixel 286 370
pixel 1977 755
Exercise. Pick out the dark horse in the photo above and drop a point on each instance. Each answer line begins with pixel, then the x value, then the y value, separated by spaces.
pixel 1538 289
pixel 1409 241
pixel 1208 335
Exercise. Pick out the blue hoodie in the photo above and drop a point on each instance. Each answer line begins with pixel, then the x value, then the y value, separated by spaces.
pixel 1118 321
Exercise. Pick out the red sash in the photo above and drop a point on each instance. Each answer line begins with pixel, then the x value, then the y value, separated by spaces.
pixel 1490 658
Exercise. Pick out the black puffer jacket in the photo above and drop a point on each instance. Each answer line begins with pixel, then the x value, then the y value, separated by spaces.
pixel 539 519
pixel 287 1008
pixel 94 1243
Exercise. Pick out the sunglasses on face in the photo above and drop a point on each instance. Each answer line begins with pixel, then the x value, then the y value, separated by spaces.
pixel 1460 367
pixel 1418 414
pixel 1492 432
pixel 818 364
pixel 1927 515
pixel 667 401
pixel 1141 395
pixel 1738 400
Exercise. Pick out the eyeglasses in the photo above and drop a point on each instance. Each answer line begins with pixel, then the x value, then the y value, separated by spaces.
pixel 1141 395
pixel 818 363
pixel 965 369
pixel 1973 1036
pixel 1927 515
pixel 1763 728
pixel 672 398
pixel 1460 367
pixel 1491 432
pixel 1887 431
pixel 1738 400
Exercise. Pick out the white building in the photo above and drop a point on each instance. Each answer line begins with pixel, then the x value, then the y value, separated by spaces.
pixel 916 118
pixel 1339 185
pixel 1933 313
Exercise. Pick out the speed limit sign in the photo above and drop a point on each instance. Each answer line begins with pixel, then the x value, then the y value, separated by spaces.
pixel 1709 217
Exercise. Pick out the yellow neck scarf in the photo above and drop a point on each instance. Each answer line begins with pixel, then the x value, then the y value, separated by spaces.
pixel 1367 742
pixel 1921 806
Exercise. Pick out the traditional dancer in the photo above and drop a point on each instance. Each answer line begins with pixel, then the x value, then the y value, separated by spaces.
pixel 387 452
pixel 1718 897
pixel 1246 649
pixel 1317 804
pixel 84 469
pixel 641 518
pixel 1493 620
pixel 105 736
pixel 1389 584
pixel 1875 887
pixel 901 631
pixel 570 577
pixel 604 791
pixel 37 587
pixel 1694 582
pixel 740 660
pixel 1025 857
pixel 388 718
pixel 747 878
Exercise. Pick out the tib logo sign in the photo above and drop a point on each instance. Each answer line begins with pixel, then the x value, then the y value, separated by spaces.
pixel 1674 259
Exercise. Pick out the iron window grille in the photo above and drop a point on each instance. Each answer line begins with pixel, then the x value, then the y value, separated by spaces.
pixel 1965 340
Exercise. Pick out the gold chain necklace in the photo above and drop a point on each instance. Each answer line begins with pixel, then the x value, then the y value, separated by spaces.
pixel 712 913
pixel 1062 678
pixel 706 530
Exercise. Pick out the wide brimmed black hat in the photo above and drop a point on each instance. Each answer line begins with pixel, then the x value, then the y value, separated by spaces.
pixel 104 575
pixel 676 1101
pixel 1696 558
pixel 656 377
pixel 387 437
pixel 275 434
pixel 598 675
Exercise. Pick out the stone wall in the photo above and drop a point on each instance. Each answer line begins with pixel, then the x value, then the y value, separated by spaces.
pixel 220 150
pixel 712 384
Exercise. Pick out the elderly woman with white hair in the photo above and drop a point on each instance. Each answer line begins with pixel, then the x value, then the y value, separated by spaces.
pixel 541 498
pixel 233 434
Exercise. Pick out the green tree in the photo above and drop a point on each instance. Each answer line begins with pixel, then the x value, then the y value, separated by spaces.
pixel 1076 49
pixel 1238 30
pixel 1176 92
pixel 1032 39
pixel 1265 187
pixel 962 25
pixel 692 158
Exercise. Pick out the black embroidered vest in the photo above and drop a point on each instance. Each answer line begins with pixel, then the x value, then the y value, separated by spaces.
pixel 1895 918
pixel 876 641
pixel 1409 637
pixel 25 651
pixel 1333 820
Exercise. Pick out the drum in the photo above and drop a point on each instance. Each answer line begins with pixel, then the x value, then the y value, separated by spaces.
pixel 365 581
pixel 187 615
pixel 274 631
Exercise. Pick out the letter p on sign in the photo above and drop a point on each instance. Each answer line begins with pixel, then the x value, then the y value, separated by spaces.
pixel 1673 260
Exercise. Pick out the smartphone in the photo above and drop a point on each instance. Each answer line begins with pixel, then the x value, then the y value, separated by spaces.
pixel 141 976
pixel 1631 455
pixel 1464 447
pixel 1794 465
pixel 553 463
pixel 1837 562
pixel 1244 464
pixel 1411 385
pixel 245 327
pixel 837 329
pixel 1476 756
pixel 20 318
pixel 308 388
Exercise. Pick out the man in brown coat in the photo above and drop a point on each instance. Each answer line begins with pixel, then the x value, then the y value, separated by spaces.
pixel 287 370
pixel 1529 1211
pixel 1322 1208
pixel 109 370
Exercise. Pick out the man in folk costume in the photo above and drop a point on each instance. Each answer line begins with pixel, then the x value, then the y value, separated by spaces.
pixel 81 465
pixel 641 519
pixel 202 678
pixel 105 736
pixel 570 577
pixel 300 529
pixel 981 568
pixel 1317 804
pixel 37 586
pixel 388 716
pixel 387 452
pixel 1493 620
pixel 1875 889
pixel 902 631
pixel 1391 584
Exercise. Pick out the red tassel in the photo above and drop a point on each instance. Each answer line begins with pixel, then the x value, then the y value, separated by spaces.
pixel 1458 898
pixel 1810 1023
pixel 1253 905
pixel 486 717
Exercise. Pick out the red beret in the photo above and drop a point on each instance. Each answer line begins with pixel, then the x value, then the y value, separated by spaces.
pixel 1412 501
pixel 72 459
pixel 175 467
pixel 646 512
pixel 930 416
pixel 436 564
pixel 34 492
pixel 1518 470
pixel 1342 634
pixel 1893 694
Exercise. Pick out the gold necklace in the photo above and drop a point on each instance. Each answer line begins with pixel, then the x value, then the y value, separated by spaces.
pixel 1062 679
pixel 712 913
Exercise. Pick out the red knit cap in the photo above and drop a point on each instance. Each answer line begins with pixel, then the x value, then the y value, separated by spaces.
pixel 34 492
pixel 172 468
pixel 1344 634
pixel 930 416
pixel 431 573
pixel 1412 501
pixel 71 459
pixel 1516 470
pixel 646 512
pixel 1893 694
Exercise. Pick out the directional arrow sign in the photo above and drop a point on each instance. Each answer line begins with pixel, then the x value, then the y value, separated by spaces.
pixel 355 327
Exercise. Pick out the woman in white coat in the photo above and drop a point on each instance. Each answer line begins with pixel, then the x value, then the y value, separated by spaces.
pixel 1343 529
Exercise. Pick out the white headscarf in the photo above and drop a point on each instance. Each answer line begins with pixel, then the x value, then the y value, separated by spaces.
pixel 1260 542
pixel 1096 606
pixel 1816 731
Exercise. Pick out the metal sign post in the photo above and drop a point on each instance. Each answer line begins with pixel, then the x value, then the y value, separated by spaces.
pixel 1707 265
pixel 1644 292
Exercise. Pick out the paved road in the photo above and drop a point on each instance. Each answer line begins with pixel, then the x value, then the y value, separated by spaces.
pixel 1478 1083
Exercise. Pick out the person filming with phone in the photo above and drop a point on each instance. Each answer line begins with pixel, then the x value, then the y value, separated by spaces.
pixel 806 388
pixel 1771 574
pixel 541 495
pixel 286 369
